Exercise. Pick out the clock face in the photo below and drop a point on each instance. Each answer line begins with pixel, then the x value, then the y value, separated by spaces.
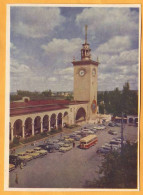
pixel 93 72
pixel 82 73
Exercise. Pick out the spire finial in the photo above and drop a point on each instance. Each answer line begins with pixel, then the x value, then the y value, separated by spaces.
pixel 85 33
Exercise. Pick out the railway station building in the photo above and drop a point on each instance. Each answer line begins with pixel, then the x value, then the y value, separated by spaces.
pixel 33 117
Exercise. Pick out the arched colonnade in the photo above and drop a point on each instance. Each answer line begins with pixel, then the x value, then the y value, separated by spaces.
pixel 35 124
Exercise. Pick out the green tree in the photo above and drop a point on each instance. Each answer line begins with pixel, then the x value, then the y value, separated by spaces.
pixel 69 97
pixel 47 93
pixel 118 171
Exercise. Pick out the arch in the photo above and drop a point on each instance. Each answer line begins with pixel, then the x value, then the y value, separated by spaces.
pixel 59 120
pixel 37 125
pixel 28 127
pixel 136 120
pixel 131 120
pixel 81 115
pixel 17 128
pixel 53 121
pixel 46 123
pixel 65 119
pixel 65 113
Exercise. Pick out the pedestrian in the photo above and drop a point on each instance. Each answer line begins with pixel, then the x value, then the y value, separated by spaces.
pixel 21 165
pixel 16 179
pixel 111 146
pixel 73 144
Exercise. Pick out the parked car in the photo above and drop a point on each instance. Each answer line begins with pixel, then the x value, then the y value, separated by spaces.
pixel 61 143
pixel 43 146
pixel 103 150
pixel 72 135
pixel 40 151
pixel 111 124
pixel 56 146
pixel 77 132
pixel 69 140
pixel 112 132
pixel 33 153
pixel 25 156
pixel 119 140
pixel 98 128
pixel 11 167
pixel 77 138
pixel 115 143
pixel 66 137
pixel 117 124
pixel 55 141
pixel 107 145
pixel 50 147
pixel 94 130
pixel 65 148
pixel 84 134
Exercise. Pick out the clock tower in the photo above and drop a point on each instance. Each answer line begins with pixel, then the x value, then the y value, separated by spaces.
pixel 85 79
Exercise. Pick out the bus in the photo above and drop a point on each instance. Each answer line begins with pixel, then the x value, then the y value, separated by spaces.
pixel 88 141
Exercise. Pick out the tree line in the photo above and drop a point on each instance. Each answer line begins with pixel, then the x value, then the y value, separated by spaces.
pixel 115 102
pixel 47 94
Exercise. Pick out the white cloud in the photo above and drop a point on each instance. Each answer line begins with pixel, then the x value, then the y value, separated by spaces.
pixel 36 22
pixel 18 68
pixel 63 46
pixel 115 45
pixel 65 71
pixel 59 54
pixel 125 58
pixel 12 46
pixel 103 23
pixel 52 79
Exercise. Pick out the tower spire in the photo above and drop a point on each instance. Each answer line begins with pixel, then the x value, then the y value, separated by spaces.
pixel 86 34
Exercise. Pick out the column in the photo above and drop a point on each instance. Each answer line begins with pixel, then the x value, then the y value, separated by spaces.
pixel 32 129
pixel 11 129
pixel 23 133
pixel 49 125
pixel 62 122
pixel 41 126
pixel 56 122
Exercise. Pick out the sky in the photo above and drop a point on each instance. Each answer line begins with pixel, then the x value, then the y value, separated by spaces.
pixel 44 40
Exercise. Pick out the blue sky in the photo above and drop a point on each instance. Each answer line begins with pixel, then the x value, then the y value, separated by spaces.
pixel 44 41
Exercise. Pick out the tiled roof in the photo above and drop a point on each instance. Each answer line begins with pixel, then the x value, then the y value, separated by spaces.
pixel 22 108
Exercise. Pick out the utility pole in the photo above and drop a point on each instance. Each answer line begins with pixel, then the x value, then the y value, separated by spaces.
pixel 122 136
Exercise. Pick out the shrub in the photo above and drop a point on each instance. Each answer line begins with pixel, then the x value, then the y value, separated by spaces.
pixel 16 140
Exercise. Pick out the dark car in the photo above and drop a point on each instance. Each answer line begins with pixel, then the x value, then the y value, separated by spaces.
pixel 77 138
pixel 111 124
pixel 117 125
pixel 112 132
pixel 43 146
pixel 50 147
pixel 103 150
pixel 15 159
